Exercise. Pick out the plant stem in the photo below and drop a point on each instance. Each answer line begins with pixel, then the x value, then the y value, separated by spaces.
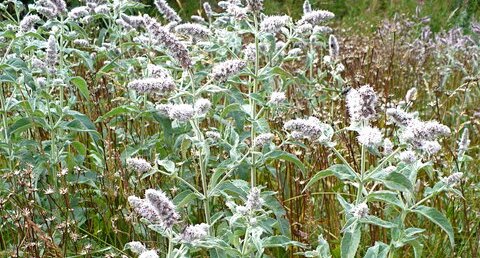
pixel 170 246
pixel 340 156
pixel 362 171
pixel 253 107
pixel 427 197
pixel 3 104
pixel 385 160
pixel 203 162
pixel 245 241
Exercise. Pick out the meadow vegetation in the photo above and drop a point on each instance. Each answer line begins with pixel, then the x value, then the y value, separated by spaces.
pixel 134 130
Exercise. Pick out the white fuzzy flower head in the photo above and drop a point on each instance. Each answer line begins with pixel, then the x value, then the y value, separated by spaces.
pixel 79 12
pixel 51 53
pixel 304 29
pixel 163 109
pixel 238 12
pixel 411 95
pixel 144 208
pixel 294 52
pixel 431 147
pixel 307 7
pixel 157 71
pixel 152 85
pixel 138 164
pixel 387 147
pixel 241 209
pixel 46 8
pixel 360 211
pixel 463 143
pixel 315 17
pixel 136 247
pixel 166 10
pixel 202 106
pixel 149 254
pixel 399 117
pixel 453 179
pixel 273 24
pixel 130 22
pixel 433 130
pixel 263 139
pixel 339 68
pixel 102 9
pixel 334 48
pixel 194 233
pixel 279 45
pixel 254 201
pixel 81 42
pixel 197 19
pixel 418 133
pixel 164 207
pixel 195 31
pixel 324 30
pixel 327 59
pixel 28 22
pixel 214 135
pixel 181 112
pixel 60 6
pixel 370 136
pixel 389 169
pixel 174 46
pixel 408 156
pixel 250 52
pixel 42 81
pixel 310 128
pixel 255 5
pixel 37 63
pixel 222 71
pixel 361 104
pixel 208 9
pixel 277 97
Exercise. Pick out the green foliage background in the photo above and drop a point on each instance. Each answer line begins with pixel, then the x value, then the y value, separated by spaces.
pixel 355 13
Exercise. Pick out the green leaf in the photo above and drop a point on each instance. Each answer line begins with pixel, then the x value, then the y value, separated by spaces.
pixel 85 124
pixel 168 165
pixel 79 147
pixel 379 250
pixel 282 155
pixel 280 241
pixel 278 70
pixel 378 221
pixel 184 198
pixel 230 108
pixel 350 242
pixel 397 181
pixel 386 196
pixel 117 111
pixel 86 58
pixel 438 218
pixel 318 176
pixel 343 172
pixel 417 248
pixel 20 125
pixel 346 206
pixel 106 68
pixel 82 86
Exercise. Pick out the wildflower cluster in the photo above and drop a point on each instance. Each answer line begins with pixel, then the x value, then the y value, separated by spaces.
pixel 310 128
pixel 224 70
pixel 156 208
pixel 239 117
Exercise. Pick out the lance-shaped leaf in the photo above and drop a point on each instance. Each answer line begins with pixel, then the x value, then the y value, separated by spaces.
pixel 438 218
